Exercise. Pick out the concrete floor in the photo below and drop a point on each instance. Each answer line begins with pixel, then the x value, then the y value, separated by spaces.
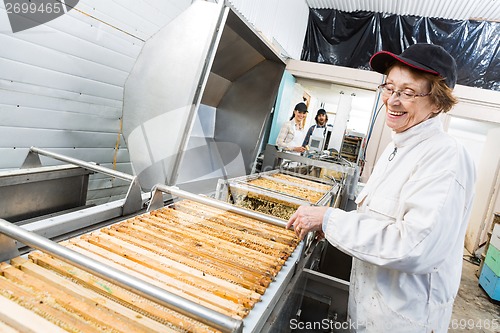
pixel 473 310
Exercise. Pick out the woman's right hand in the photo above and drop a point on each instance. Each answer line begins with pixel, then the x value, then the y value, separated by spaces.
pixel 299 149
pixel 307 218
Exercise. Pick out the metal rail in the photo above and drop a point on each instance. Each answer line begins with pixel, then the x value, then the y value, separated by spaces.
pixel 86 165
pixel 317 163
pixel 155 203
pixel 124 280
pixel 133 200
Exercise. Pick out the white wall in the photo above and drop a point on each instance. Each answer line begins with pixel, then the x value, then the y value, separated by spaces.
pixel 282 22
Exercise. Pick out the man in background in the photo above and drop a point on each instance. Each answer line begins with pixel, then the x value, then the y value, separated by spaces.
pixel 321 124
pixel 318 130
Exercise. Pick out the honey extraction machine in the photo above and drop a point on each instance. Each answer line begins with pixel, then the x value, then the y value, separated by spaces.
pixel 278 193
pixel 195 264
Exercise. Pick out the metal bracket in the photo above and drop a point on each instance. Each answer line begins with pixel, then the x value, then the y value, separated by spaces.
pixel 32 160
pixel 158 199
pixel 133 200
pixel 8 248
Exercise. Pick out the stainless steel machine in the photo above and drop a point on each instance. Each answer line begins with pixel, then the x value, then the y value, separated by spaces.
pixel 278 192
pixel 280 307
pixel 67 185
pixel 346 173
pixel 198 100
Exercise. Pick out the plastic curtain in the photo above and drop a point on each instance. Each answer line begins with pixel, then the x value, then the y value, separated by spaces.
pixel 350 39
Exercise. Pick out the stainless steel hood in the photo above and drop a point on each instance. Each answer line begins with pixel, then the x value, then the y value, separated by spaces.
pixel 210 57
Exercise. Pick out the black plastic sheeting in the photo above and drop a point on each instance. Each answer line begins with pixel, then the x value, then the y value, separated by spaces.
pixel 350 39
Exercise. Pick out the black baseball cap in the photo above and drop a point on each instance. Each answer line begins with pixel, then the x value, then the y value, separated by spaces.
pixel 301 107
pixel 321 111
pixel 425 57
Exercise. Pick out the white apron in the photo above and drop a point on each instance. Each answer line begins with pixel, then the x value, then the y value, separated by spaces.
pixel 298 138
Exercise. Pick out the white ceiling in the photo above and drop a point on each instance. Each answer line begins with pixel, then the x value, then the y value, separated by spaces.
pixel 488 10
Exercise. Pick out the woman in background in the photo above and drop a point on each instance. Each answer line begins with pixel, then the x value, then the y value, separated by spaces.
pixel 292 132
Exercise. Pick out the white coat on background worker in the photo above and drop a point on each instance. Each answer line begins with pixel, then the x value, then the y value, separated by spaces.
pixel 292 132
pixel 407 236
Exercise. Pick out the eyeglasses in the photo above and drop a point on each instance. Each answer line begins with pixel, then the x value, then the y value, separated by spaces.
pixel 405 95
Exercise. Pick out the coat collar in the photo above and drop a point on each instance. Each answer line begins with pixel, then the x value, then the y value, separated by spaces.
pixel 418 133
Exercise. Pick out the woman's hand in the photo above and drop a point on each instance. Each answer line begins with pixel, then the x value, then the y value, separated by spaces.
pixel 305 219
pixel 299 149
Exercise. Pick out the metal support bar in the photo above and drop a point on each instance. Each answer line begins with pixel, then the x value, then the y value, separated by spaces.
pixel 327 280
pixel 273 157
pixel 317 163
pixel 133 202
pixel 83 164
pixel 217 204
pixel 124 280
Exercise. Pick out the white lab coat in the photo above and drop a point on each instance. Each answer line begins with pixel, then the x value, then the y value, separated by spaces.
pixel 407 236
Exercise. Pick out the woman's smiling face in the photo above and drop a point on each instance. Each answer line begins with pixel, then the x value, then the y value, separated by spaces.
pixel 404 114
pixel 299 116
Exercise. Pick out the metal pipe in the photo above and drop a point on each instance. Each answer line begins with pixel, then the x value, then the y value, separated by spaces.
pixel 86 165
pixel 221 205
pixel 336 203
pixel 318 163
pixel 124 280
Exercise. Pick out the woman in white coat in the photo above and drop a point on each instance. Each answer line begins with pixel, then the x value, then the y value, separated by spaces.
pixel 407 235
pixel 292 132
